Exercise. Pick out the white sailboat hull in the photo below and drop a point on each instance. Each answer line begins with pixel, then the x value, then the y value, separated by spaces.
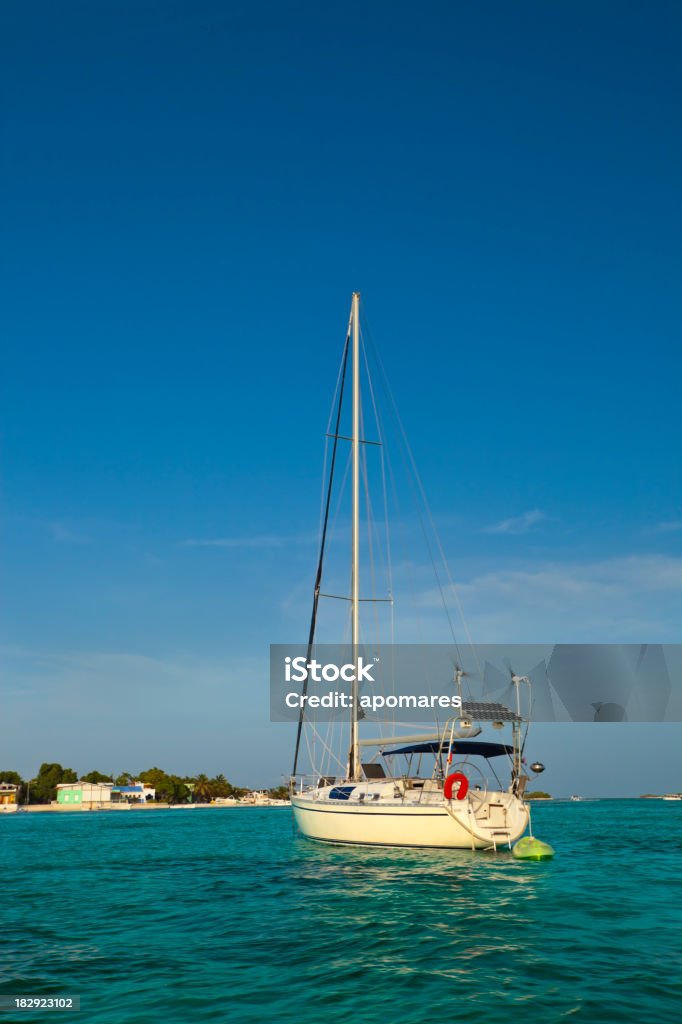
pixel 498 823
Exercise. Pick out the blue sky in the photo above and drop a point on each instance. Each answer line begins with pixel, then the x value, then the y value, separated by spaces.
pixel 191 193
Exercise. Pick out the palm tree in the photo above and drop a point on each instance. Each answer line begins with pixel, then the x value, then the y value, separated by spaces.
pixel 203 791
pixel 220 786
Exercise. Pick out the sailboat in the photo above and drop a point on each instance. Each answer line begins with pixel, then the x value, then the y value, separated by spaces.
pixel 428 789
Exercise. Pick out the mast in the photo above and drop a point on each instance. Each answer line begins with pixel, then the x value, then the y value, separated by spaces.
pixel 354 759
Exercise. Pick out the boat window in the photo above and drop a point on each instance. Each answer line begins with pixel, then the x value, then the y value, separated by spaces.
pixel 341 792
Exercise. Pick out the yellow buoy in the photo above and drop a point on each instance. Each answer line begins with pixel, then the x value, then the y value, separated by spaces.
pixel 530 848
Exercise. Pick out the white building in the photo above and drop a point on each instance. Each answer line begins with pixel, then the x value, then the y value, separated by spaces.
pixel 136 792
pixel 9 796
pixel 87 794
pixel 84 793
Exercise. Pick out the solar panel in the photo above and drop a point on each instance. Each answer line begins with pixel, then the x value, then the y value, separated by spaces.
pixel 488 712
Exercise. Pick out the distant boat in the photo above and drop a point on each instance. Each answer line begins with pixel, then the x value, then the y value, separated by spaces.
pixel 576 798
pixel 673 796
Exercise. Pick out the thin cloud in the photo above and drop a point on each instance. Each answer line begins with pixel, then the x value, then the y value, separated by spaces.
pixel 86 697
pixel 266 540
pixel 672 526
pixel 635 574
pixel 518 524
pixel 626 599
pixel 64 534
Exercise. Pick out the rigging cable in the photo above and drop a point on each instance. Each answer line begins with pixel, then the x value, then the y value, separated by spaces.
pixel 417 480
pixel 323 538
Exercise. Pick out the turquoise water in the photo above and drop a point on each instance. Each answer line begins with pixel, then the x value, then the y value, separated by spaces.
pixel 225 915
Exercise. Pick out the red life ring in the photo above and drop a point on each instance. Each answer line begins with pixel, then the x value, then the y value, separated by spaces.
pixel 449 783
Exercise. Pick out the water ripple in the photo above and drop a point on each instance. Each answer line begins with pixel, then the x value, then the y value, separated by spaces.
pixel 226 915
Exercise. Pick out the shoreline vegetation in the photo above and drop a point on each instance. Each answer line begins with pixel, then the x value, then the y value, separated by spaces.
pixel 169 790
pixel 40 793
